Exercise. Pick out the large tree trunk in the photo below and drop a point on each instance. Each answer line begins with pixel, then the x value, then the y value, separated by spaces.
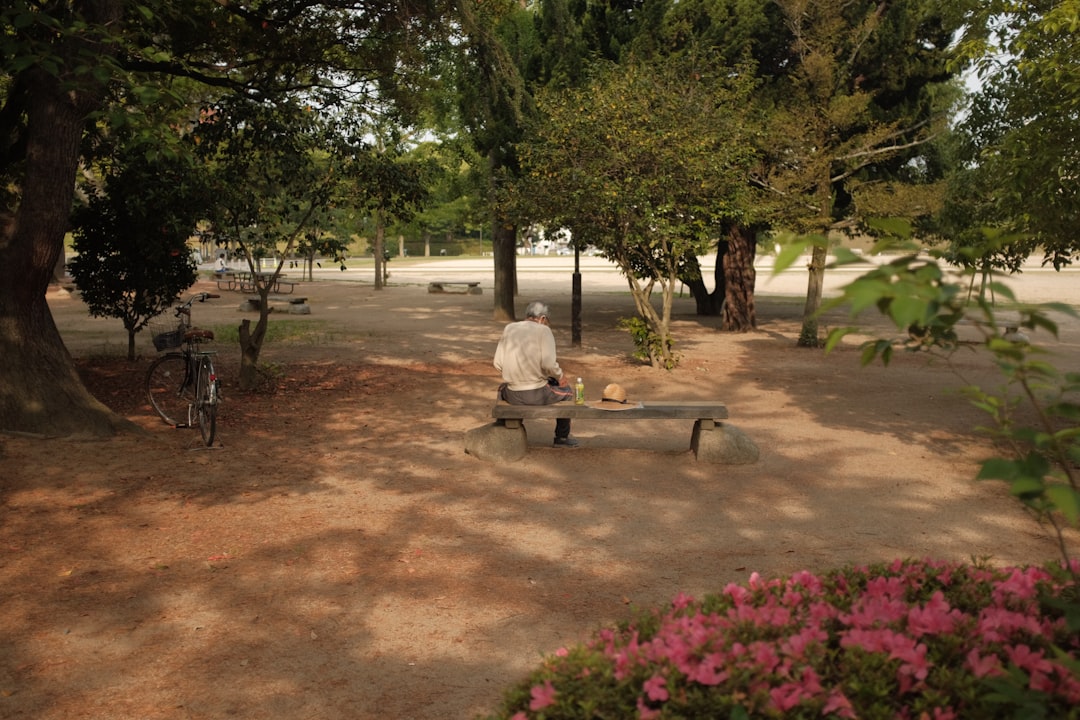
pixel 739 276
pixel 40 390
pixel 504 250
pixel 251 342
pixel 380 251
pixel 815 284
pixel 707 303
pixel 808 336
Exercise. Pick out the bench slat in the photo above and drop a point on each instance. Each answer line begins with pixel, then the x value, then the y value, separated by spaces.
pixel 649 410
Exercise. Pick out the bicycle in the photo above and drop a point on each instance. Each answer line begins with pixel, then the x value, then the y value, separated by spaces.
pixel 182 386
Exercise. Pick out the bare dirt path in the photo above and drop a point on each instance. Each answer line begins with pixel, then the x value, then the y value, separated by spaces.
pixel 337 555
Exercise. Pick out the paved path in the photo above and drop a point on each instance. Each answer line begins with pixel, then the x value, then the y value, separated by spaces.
pixel 541 275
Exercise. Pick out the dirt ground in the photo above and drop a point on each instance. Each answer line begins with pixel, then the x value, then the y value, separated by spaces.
pixel 336 554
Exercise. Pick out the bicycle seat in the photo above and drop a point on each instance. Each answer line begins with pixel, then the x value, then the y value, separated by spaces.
pixel 198 335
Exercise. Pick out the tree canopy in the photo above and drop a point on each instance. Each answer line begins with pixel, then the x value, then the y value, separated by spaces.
pixel 1021 136
pixel 641 163
pixel 66 62
pixel 132 259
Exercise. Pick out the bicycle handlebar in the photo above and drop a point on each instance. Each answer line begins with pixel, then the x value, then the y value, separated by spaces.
pixel 185 308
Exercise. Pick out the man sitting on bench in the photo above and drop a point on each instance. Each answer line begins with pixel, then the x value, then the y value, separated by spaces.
pixel 526 358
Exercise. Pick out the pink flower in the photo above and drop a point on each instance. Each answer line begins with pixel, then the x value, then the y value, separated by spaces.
pixel 983 666
pixel 787 696
pixel 738 593
pixel 934 618
pixel 914 666
pixel 542 696
pixel 869 640
pixel 796 645
pixel 1036 664
pixel 1020 584
pixel 875 610
pixel 1069 687
pixel 765 656
pixel 839 705
pixel 710 671
pixel 808 581
pixel 519 716
pixel 644 711
pixel 682 600
pixel 998 624
pixel 655 688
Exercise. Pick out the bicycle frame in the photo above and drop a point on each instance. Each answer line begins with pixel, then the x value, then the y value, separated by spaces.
pixel 182 386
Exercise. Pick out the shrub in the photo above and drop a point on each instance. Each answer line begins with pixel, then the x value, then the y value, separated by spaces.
pixel 911 639
pixel 649 345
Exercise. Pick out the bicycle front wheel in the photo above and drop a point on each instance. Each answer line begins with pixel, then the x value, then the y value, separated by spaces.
pixel 206 401
pixel 169 389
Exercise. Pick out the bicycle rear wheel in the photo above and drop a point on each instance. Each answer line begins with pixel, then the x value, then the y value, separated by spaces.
pixel 169 389
pixel 206 401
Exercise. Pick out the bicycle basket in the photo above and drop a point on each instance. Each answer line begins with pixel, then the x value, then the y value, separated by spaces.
pixel 167 334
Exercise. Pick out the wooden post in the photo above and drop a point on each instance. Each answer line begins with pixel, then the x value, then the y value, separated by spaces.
pixel 575 311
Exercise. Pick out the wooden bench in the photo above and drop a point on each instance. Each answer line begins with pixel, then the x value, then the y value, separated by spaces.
pixel 439 286
pixel 710 440
pixel 708 413
pixel 225 280
pixel 296 305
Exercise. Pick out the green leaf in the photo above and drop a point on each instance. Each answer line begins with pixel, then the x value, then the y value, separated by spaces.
pixel 872 349
pixel 906 311
pixel 1001 290
pixel 998 469
pixel 1041 321
pixel 1066 500
pixel 863 294
pixel 23 20
pixel 844 256
pixel 895 226
pixel 834 338
pixel 789 253
pixel 1027 488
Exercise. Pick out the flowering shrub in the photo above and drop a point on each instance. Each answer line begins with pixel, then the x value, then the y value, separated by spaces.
pixel 912 639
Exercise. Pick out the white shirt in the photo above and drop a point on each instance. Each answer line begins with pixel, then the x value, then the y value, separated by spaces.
pixel 526 355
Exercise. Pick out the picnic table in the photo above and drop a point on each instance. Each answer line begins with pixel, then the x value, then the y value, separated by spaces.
pixel 226 280
pixel 249 282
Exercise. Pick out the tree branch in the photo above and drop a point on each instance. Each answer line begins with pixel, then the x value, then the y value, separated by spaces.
pixel 873 152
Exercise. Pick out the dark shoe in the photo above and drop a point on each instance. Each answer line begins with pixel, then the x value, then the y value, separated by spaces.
pixel 566 442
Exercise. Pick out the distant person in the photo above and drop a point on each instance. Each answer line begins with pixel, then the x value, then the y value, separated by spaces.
pixel 531 374
pixel 220 265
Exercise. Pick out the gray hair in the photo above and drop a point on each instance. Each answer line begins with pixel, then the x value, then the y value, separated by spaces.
pixel 536 309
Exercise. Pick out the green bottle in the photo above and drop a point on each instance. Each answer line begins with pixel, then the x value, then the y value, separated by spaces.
pixel 579 393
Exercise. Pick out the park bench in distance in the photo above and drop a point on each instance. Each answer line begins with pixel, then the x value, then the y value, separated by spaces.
pixel 295 305
pixel 439 286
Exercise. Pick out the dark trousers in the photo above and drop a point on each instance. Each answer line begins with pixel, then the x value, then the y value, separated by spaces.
pixel 547 395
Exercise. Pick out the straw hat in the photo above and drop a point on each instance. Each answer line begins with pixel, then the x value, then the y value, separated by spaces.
pixel 614 398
